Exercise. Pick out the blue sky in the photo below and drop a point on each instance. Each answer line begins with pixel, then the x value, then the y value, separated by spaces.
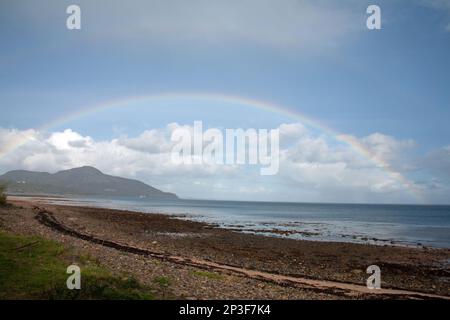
pixel 316 57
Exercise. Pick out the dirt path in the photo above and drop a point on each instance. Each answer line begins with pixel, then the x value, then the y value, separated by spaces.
pixel 346 289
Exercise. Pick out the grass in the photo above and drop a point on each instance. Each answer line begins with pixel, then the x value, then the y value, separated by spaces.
pixel 35 268
pixel 162 281
pixel 207 274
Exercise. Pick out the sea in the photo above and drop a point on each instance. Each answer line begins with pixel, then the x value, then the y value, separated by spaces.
pixel 379 224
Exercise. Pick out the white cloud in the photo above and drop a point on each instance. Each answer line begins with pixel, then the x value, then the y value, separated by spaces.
pixel 69 139
pixel 385 146
pixel 312 168
pixel 323 165
pixel 151 141
pixel 290 132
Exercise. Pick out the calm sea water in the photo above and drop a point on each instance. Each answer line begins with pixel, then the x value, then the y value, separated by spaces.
pixel 362 223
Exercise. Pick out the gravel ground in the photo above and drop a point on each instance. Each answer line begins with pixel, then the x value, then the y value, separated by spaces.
pixel 419 269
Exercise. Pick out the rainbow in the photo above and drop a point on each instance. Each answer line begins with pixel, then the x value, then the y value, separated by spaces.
pixel 232 99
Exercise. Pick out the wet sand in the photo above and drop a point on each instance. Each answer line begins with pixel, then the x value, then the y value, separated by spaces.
pixel 421 270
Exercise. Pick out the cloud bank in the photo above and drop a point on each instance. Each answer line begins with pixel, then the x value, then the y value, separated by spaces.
pixel 312 168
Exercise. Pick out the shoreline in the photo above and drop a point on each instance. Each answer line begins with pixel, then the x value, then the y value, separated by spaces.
pixel 286 230
pixel 423 270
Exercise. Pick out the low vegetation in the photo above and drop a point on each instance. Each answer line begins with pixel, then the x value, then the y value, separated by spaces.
pixel 2 196
pixel 162 281
pixel 35 268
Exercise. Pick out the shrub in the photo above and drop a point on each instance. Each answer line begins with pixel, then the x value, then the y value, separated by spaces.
pixel 2 196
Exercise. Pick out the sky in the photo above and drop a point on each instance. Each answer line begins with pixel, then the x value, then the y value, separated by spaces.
pixel 387 90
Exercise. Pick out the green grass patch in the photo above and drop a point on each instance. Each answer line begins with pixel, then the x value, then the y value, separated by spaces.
pixel 162 281
pixel 207 274
pixel 35 268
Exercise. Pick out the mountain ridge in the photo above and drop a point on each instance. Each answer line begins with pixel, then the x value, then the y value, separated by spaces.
pixel 83 181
